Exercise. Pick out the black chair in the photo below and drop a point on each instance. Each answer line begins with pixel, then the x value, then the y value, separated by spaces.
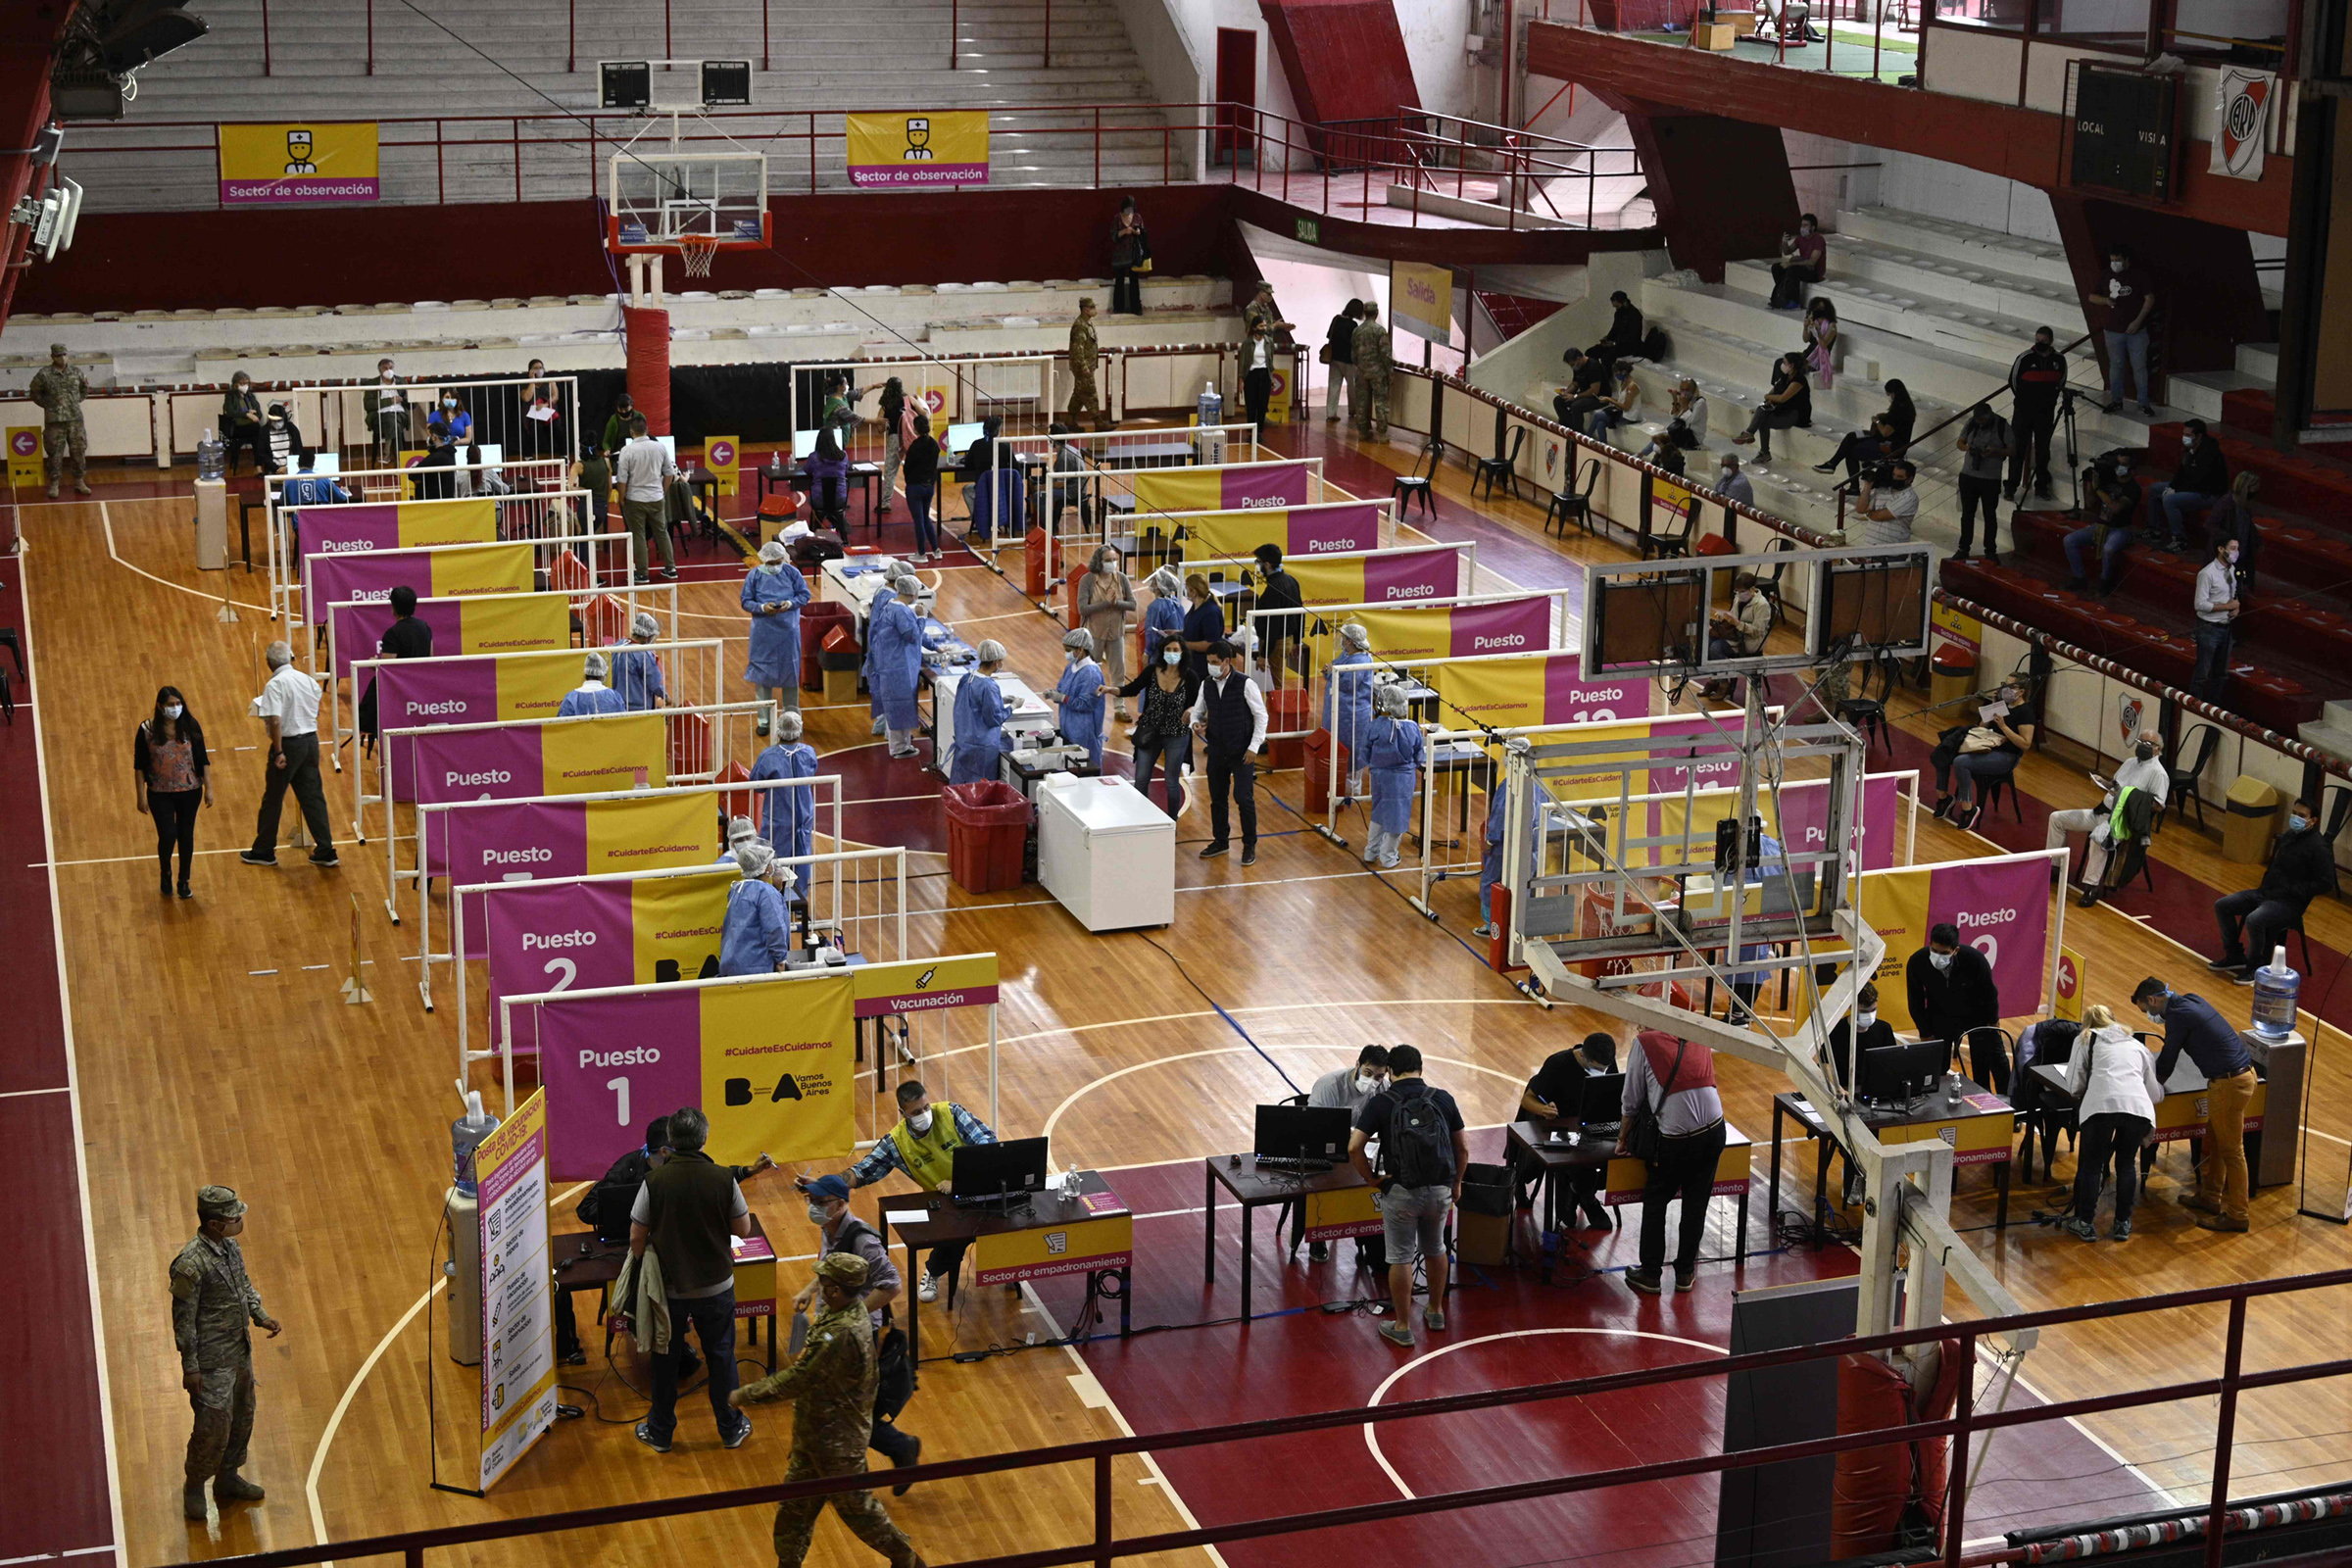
pixel 1990 790
pixel 1420 483
pixel 1768 583
pixel 1503 466
pixel 1675 545
pixel 1575 505
pixel 2182 785
pixel 2338 813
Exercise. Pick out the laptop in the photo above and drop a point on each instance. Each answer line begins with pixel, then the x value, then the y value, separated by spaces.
pixel 1301 1135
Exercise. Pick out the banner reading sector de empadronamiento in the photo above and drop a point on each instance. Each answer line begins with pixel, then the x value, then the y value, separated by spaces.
pixel 486 623
pixel 435 574
pixel 396 524
pixel 911 151
pixel 309 161
pixel 573 756
pixel 1298 532
pixel 518 841
pixel 1459 631
pixel 771 1063
pixel 519 1343
pixel 1234 487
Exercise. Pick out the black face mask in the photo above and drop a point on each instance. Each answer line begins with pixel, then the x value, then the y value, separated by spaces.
pixel 2144 752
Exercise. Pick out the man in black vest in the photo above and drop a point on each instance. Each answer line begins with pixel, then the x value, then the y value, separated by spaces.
pixel 1229 715
pixel 685 1211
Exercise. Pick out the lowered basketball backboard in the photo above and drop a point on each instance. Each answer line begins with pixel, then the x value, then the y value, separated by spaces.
pixel 1655 619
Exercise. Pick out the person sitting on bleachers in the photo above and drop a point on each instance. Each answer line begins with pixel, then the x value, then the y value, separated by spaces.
pixel 2111 500
pixel 1588 389
pixel 2196 486
pixel 1625 331
pixel 1788 405
pixel 1862 448
pixel 1686 424
pixel 1804 254
pixel 1731 483
pixel 1616 411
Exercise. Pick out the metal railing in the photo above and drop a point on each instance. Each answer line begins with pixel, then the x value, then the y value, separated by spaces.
pixel 1428 147
pixel 1106 1547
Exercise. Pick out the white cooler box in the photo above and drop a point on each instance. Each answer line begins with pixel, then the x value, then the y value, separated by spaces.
pixel 1106 851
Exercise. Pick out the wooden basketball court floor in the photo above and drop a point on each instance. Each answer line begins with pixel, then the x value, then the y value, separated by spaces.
pixel 211 1046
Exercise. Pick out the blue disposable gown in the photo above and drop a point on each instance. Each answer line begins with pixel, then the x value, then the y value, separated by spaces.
pixel 1392 751
pixel 1081 690
pixel 580 699
pixel 775 658
pixel 1768 865
pixel 787 817
pixel 1347 702
pixel 894 658
pixel 637 676
pixel 1163 618
pixel 979 730
pixel 758 935
pixel 1489 866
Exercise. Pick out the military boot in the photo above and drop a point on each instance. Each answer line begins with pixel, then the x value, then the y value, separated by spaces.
pixel 53 489
pixel 230 1487
pixel 191 1500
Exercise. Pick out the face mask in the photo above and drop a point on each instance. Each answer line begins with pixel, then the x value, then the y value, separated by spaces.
pixel 1074 655
pixel 817 1214
pixel 1727 471
pixel 1366 1083
pixel 920 1122
pixel 1941 960
pixel 1174 656
pixel 2117 268
pixel 2144 752
pixel 1865 1019
pixel 173 709
pixel 1804 228
pixel 448 402
pixel 1216 672
pixel 2297 824
pixel 2155 1013
pixel 387 375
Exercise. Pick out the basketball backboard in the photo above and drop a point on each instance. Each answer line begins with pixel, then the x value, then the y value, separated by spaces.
pixel 657 198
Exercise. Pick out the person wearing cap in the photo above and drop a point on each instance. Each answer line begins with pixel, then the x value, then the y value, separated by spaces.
pixel 842 1233
pixel 980 712
pixel 241 422
pixel 787 816
pixel 757 938
pixel 58 387
pixel 1080 694
pixel 924 1146
pixel 740 830
pixel 592 696
pixel 1229 714
pixel 636 672
pixel 1394 752
pixel 894 660
pixel 1347 703
pixel 213 1310
pixel 832 1384
pixel 1085 357
pixel 773 593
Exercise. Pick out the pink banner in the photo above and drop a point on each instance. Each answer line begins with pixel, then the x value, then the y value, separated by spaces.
pixel 511 843
pixel 2002 908
pixel 340 529
pixel 568 937
pixel 1516 626
pixel 413 694
pixel 650 1046
pixel 1329 529
pixel 1805 816
pixel 1277 485
pixel 1418 575
pixel 1569 699
pixel 367 577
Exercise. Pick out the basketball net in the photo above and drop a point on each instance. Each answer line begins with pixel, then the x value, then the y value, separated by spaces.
pixel 697 252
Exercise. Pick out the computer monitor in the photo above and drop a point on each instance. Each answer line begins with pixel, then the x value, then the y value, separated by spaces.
pixel 803 444
pixel 1014 1166
pixel 960 438
pixel 1302 1132
pixel 1893 1074
pixel 326 463
pixel 491 453
pixel 669 445
pixel 1601 1099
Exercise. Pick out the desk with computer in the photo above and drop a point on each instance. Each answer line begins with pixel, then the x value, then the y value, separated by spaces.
pixel 1020 1222
pixel 1907 1092
pixel 1299 1155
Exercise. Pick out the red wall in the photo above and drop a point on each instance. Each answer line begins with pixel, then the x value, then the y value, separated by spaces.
pixel 1345 58
pixel 369 255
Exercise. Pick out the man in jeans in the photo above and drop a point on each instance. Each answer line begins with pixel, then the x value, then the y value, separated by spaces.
pixel 1676 1080
pixel 2130 306
pixel 1423 1153
pixel 2190 1024
pixel 685 1213
pixel 644 474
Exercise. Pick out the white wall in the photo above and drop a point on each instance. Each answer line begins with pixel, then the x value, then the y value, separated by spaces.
pixel 1826 192
pixel 1917 184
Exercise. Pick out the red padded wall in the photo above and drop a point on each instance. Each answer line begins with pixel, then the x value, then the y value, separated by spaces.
pixel 648 334
pixel 1345 58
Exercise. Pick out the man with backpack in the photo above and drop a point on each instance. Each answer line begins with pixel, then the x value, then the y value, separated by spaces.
pixel 1423 1153
pixel 1673 1122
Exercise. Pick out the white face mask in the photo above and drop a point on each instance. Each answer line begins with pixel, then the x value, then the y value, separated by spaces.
pixel 819 1214
pixel 920 1122
pixel 772 567
pixel 387 375
pixel 2155 1014
pixel 1216 672
pixel 1865 1019
pixel 1366 1083
pixel 1941 960
pixel 173 709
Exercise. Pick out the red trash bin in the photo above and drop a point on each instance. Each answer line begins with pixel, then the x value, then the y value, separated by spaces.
pixel 1077 572
pixel 1288 708
pixel 1034 549
pixel 1319 770
pixel 817 617
pixel 988 835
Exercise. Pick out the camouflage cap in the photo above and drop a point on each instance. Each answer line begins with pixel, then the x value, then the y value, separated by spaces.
pixel 218 1202
pixel 845 1269
pixel 57 351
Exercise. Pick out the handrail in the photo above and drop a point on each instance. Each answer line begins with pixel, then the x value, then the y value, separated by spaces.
pixel 1099 1452
pixel 1954 417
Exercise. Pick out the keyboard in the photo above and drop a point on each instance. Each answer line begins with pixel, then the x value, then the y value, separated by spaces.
pixel 1601 1128
pixel 1277 1162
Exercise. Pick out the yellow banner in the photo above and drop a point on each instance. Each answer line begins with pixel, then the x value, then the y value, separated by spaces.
pixel 501 569
pixel 24 455
pixel 925 985
pixel 524 623
pixel 1347 1212
pixel 1177 490
pixel 311 161
pixel 1421 300
pixel 930 147
pixel 677 923
pixel 779 1066
pixel 1895 903
pixel 618 752
pixel 1504 693
pixel 1079 1248
pixel 720 455
pixel 653 834
pixel 2069 985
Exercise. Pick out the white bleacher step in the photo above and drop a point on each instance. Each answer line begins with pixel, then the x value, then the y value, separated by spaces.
pixel 2331 731
pixel 2260 361
pixel 1971 286
pixel 2200 392
pixel 1954 241
pixel 1922 316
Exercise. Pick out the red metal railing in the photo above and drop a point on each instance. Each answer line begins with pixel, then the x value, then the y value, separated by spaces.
pixel 1106 1545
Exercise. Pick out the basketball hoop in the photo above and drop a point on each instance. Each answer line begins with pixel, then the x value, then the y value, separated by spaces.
pixel 698 252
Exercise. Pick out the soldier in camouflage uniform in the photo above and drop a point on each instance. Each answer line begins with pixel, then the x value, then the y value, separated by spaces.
pixel 1086 357
pixel 1263 309
pixel 1372 362
pixel 213 1302
pixel 832 1385
pixel 59 389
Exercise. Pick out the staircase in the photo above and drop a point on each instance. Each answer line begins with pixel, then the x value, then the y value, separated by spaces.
pixel 823 59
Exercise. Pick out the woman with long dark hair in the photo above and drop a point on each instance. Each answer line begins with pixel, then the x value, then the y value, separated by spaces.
pixel 829 481
pixel 174 777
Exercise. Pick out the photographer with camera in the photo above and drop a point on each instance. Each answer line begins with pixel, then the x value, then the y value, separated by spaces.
pixel 2111 500
pixel 1887 504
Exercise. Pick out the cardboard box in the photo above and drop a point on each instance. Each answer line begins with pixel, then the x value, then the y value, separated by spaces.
pixel 1743 22
pixel 841 685
pixel 1715 36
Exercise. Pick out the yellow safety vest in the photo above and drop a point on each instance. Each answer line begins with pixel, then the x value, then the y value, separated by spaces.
pixel 2117 833
pixel 930 1158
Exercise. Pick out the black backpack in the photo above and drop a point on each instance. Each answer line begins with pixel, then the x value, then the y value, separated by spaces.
pixel 608 1203
pixel 1419 1145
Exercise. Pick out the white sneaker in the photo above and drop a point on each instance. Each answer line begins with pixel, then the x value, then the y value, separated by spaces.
pixel 928 1290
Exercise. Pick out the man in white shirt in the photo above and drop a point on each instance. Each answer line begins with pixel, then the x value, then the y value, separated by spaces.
pixel 288 708
pixel 2217 618
pixel 643 473
pixel 1229 715
pixel 2144 770
pixel 1889 510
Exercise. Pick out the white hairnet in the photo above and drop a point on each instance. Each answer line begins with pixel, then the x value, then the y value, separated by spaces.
pixel 756 859
pixel 1354 635
pixel 645 627
pixel 990 651
pixel 596 666
pixel 1389 700
pixel 908 585
pixel 772 553
pixel 788 726
pixel 1080 638
pixel 1164 583
pixel 740 828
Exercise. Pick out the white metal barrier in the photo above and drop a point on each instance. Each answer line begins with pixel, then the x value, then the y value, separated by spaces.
pixel 1109 459
pixel 1311 649
pixel 547 565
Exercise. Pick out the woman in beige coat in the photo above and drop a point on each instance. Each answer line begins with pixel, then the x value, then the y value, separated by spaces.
pixel 1105 598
